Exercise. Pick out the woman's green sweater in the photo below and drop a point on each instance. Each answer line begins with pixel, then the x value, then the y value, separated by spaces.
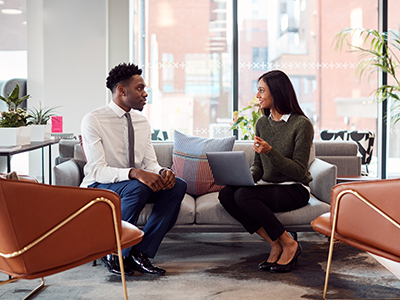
pixel 291 144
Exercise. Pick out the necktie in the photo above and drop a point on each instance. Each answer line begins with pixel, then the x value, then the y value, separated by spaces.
pixel 131 139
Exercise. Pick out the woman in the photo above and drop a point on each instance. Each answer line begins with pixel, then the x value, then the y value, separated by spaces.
pixel 282 144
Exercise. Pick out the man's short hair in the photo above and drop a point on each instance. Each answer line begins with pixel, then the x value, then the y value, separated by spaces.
pixel 121 74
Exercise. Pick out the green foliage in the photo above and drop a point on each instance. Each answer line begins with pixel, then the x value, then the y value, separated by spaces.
pixel 377 53
pixel 247 124
pixel 15 117
pixel 40 116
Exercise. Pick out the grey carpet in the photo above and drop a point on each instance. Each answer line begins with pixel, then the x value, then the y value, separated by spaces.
pixel 224 266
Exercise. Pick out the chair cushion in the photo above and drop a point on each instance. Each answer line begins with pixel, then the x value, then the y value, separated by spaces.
pixel 190 162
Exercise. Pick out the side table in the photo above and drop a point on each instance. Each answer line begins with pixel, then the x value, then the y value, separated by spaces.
pixel 30 147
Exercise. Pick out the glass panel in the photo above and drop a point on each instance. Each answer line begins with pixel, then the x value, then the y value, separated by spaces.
pixel 189 71
pixel 13 37
pixel 298 37
pixel 393 165
pixel 13 61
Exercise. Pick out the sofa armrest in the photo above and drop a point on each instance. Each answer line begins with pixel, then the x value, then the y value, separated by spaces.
pixel 324 179
pixel 68 173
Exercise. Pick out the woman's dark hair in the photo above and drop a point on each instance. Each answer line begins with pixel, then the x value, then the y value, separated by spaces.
pixel 121 74
pixel 282 92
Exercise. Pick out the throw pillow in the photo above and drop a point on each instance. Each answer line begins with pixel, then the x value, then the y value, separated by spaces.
pixel 189 161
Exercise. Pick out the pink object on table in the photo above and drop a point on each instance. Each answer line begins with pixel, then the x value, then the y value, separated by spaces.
pixel 56 124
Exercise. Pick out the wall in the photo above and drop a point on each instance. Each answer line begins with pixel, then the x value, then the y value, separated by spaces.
pixel 71 46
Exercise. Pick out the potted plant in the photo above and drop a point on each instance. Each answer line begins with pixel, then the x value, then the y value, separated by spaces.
pixel 13 123
pixel 39 118
pixel 246 124
pixel 377 53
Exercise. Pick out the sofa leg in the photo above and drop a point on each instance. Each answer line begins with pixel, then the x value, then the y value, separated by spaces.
pixel 294 235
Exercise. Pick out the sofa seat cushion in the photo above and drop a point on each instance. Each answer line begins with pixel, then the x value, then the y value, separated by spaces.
pixel 186 214
pixel 210 212
pixel 304 215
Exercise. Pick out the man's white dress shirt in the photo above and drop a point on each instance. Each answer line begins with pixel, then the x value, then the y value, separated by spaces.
pixel 105 144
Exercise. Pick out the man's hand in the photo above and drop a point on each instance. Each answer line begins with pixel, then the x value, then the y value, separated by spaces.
pixel 169 178
pixel 152 180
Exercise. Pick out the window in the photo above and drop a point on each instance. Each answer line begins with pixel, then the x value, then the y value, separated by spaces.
pixel 196 93
pixel 193 82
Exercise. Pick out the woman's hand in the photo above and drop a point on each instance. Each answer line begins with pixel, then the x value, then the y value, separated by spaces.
pixel 261 146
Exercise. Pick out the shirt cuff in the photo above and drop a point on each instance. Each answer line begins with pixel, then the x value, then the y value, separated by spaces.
pixel 123 174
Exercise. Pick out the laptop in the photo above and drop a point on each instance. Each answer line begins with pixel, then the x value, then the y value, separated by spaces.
pixel 230 168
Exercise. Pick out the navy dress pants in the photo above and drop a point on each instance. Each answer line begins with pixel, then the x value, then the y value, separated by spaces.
pixel 134 196
pixel 254 206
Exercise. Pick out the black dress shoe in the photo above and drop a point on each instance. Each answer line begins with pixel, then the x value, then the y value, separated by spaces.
pixel 277 268
pixel 140 261
pixel 266 265
pixel 112 265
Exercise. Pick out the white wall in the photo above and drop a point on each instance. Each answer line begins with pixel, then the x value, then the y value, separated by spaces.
pixel 71 47
pixel 68 65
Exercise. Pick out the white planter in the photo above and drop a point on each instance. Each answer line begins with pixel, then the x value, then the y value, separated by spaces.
pixel 13 136
pixel 40 133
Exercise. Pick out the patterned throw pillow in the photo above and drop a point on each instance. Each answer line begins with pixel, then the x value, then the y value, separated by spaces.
pixel 189 161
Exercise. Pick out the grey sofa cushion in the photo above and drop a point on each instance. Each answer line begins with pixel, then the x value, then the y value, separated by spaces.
pixel 186 214
pixel 68 173
pixel 210 211
pixel 304 215
pixel 324 179
pixel 336 148
pixel 164 153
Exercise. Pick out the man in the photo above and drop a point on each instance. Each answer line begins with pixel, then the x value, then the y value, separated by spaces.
pixel 133 174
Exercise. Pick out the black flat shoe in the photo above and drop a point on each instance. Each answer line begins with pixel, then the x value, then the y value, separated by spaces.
pixel 112 265
pixel 277 268
pixel 266 265
pixel 139 261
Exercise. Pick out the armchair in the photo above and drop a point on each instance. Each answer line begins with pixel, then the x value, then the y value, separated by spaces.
pixel 49 229
pixel 364 215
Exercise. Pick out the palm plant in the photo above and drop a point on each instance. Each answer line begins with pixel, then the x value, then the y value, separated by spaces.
pixel 377 53
pixel 41 116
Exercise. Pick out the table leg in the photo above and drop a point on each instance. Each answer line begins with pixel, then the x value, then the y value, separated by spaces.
pixel 50 164
pixel 8 163
pixel 43 165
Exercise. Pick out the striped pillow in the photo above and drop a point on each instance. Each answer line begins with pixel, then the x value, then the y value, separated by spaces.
pixel 190 163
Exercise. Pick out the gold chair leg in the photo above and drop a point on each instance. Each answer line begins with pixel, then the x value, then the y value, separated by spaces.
pixel 8 281
pixel 38 288
pixel 121 266
pixel 328 267
pixel 31 293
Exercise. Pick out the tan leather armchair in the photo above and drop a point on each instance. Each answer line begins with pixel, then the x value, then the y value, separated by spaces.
pixel 49 229
pixel 365 215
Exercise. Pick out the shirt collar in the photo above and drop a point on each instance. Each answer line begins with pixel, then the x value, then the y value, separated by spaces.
pixel 115 108
pixel 283 118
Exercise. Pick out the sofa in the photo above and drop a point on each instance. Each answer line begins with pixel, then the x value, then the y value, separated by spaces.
pixel 204 213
